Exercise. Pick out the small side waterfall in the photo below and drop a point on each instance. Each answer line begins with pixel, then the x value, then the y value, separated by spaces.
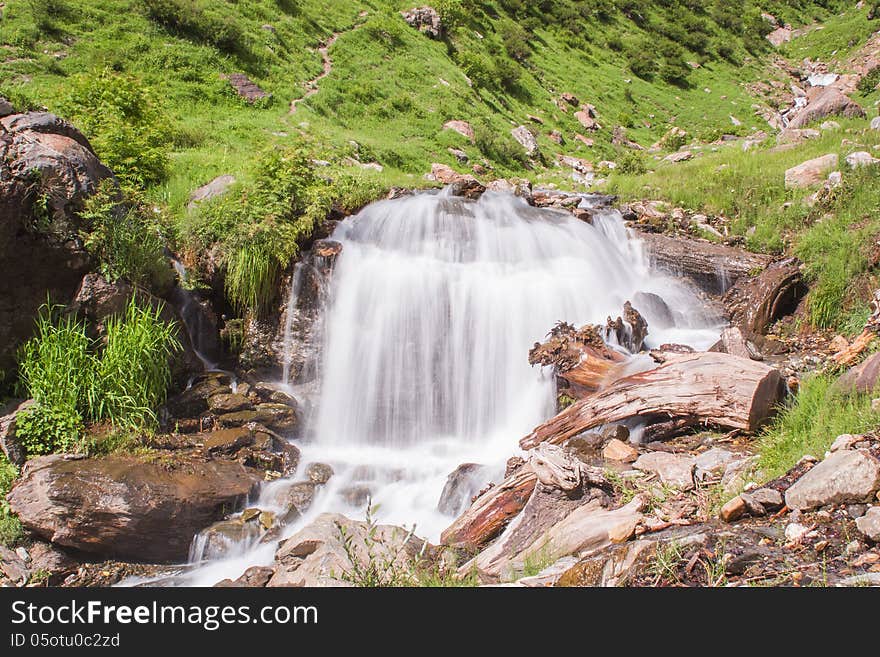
pixel 433 305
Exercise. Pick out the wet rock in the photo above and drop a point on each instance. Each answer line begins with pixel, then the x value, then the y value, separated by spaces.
pixel 630 330
pixel 655 310
pixel 229 403
pixel 133 507
pixel 356 495
pixel 675 470
pixel 461 486
pixel 617 450
pixel 49 559
pixel 869 524
pixel 10 443
pixel 463 184
pixel 298 496
pixel 757 302
pixel 321 554
pixel 319 473
pixel 227 441
pixel 585 447
pixel 845 476
pixel 217 187
pixel 223 537
pixel 253 578
pixel 277 417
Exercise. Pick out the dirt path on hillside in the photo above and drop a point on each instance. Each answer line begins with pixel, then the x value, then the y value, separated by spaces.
pixel 312 86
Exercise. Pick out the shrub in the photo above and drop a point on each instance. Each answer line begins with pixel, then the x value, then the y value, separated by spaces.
pixel 498 145
pixel 870 81
pixel 200 20
pixel 45 429
pixel 123 235
pixel 119 114
pixel 630 162
pixel 516 41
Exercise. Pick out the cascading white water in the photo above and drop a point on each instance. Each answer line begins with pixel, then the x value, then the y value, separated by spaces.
pixel 434 304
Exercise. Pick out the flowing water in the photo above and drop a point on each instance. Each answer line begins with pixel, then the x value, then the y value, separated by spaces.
pixel 432 308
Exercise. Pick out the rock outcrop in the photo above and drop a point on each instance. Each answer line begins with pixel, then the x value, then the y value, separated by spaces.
pixel 756 302
pixel 139 508
pixel 47 169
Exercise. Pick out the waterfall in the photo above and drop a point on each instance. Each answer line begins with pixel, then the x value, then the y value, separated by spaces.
pixel 432 307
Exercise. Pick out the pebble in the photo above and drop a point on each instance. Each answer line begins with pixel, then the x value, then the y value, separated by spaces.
pixel 794 532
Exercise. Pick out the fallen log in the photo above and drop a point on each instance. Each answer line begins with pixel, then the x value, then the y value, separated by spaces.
pixel 711 267
pixel 716 389
pixel 491 511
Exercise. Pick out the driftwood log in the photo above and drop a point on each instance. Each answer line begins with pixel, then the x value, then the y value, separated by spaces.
pixel 712 267
pixel 714 389
pixel 491 512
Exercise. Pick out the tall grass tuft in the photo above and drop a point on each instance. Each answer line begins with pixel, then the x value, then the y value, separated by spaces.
pixel 133 374
pixel 251 275
pixel 818 415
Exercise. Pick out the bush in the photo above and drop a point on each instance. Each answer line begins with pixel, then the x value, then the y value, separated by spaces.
pixel 498 146
pixel 47 429
pixel 200 20
pixel 630 162
pixel 118 113
pixel 870 81
pixel 122 234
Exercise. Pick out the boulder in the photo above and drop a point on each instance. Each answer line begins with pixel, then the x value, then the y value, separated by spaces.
pixel 674 470
pixel 217 187
pixel 812 172
pixel 587 119
pixel 779 36
pixel 229 403
pixel 862 378
pixel 845 476
pixel 253 578
pixel 869 524
pixel 861 159
pixel 10 444
pixel 426 20
pixel 712 463
pixel 679 156
pixel 224 538
pixel 464 184
pixel 6 107
pixel 755 303
pixel 321 554
pixel 526 139
pixel 461 127
pixel 41 157
pixel 319 473
pixel 462 485
pixel 824 102
pixel 128 507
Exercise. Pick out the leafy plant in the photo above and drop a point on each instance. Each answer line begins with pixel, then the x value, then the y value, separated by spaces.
pixel 46 429
pixel 125 239
pixel 10 527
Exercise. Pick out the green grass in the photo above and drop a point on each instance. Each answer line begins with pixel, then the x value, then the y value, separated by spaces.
pixel 10 528
pixel 834 237
pixel 74 380
pixel 811 423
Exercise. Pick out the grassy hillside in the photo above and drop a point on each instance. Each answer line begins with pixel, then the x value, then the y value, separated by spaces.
pixel 145 80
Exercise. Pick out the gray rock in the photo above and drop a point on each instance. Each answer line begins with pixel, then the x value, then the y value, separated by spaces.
pixel 426 20
pixel 526 139
pixel 615 431
pixel 861 159
pixel 674 470
pixel 461 485
pixel 5 107
pixel 769 498
pixel 845 441
pixel 712 463
pixel 9 441
pixel 869 524
pixel 845 476
pixel 217 187
pixel 856 510
pixel 875 123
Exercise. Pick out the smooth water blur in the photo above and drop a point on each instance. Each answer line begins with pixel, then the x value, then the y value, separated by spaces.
pixel 434 304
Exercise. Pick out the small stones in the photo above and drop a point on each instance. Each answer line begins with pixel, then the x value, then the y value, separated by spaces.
pixel 796 532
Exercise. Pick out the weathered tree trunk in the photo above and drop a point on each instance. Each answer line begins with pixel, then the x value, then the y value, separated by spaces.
pixel 712 267
pixel 716 389
pixel 491 511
